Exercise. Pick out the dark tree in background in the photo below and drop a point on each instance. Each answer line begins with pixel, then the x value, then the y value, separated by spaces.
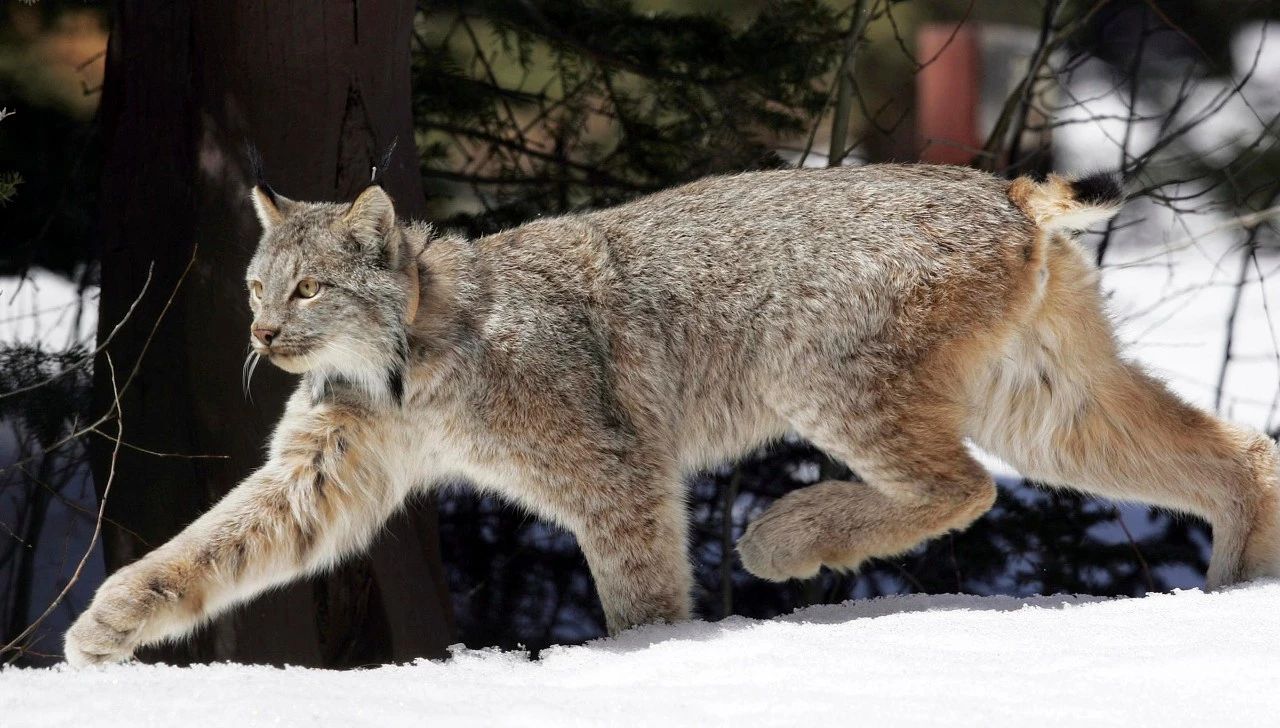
pixel 321 89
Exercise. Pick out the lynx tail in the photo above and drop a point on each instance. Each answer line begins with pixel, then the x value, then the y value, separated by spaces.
pixel 1059 203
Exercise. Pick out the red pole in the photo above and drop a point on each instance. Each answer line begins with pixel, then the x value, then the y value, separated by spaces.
pixel 948 93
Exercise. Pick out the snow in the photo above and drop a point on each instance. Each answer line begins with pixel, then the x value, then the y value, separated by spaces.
pixel 1186 658
pixel 42 308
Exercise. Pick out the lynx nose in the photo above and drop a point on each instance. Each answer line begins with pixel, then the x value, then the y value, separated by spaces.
pixel 265 334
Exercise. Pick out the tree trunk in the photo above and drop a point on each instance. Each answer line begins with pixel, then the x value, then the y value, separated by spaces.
pixel 321 89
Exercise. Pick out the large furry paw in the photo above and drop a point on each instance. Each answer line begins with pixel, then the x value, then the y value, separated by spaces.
pixel 778 546
pixel 111 628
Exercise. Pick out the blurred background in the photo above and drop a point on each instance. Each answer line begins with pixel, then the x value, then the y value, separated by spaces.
pixel 125 228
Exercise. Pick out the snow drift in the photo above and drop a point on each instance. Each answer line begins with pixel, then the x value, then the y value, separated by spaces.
pixel 1186 658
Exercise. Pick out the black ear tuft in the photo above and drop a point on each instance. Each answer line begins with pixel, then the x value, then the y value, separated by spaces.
pixel 258 171
pixel 383 163
pixel 1100 188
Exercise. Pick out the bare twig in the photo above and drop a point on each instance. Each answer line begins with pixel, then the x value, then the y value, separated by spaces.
pixel 1137 552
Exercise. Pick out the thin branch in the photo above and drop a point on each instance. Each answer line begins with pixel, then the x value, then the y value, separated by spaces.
pixel 137 448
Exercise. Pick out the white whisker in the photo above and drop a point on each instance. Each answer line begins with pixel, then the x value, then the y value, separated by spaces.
pixel 246 372
pixel 257 359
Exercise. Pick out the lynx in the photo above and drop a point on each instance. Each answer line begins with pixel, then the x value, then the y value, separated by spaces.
pixel 583 366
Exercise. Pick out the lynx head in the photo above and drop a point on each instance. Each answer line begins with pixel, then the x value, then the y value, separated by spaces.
pixel 333 288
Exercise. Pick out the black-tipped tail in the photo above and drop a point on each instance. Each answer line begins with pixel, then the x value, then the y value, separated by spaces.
pixel 1059 203
pixel 1100 189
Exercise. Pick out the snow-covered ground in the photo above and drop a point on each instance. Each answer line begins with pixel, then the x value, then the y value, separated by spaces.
pixel 1186 658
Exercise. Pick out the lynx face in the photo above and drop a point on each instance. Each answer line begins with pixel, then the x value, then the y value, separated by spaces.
pixel 328 294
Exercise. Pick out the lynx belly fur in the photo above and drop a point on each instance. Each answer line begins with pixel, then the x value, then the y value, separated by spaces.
pixel 583 366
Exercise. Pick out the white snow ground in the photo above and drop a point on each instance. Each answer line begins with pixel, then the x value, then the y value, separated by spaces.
pixel 1187 658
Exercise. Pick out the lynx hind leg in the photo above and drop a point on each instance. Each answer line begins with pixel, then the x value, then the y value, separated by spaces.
pixel 1063 407
pixel 1124 436
pixel 920 482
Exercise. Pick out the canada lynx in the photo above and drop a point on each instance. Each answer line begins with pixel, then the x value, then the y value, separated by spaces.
pixel 583 366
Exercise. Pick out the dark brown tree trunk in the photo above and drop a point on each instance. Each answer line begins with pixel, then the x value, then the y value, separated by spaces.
pixel 321 88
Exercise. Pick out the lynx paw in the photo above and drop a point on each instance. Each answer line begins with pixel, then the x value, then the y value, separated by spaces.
pixel 776 547
pixel 111 628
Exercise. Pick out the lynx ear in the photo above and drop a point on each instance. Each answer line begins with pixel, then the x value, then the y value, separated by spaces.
pixel 371 219
pixel 271 208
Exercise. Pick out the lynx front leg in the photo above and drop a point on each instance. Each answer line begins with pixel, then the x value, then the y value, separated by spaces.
pixel 634 541
pixel 316 499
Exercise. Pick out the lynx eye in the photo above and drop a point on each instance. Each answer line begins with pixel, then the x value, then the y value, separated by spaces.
pixel 308 288
pixel 255 287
